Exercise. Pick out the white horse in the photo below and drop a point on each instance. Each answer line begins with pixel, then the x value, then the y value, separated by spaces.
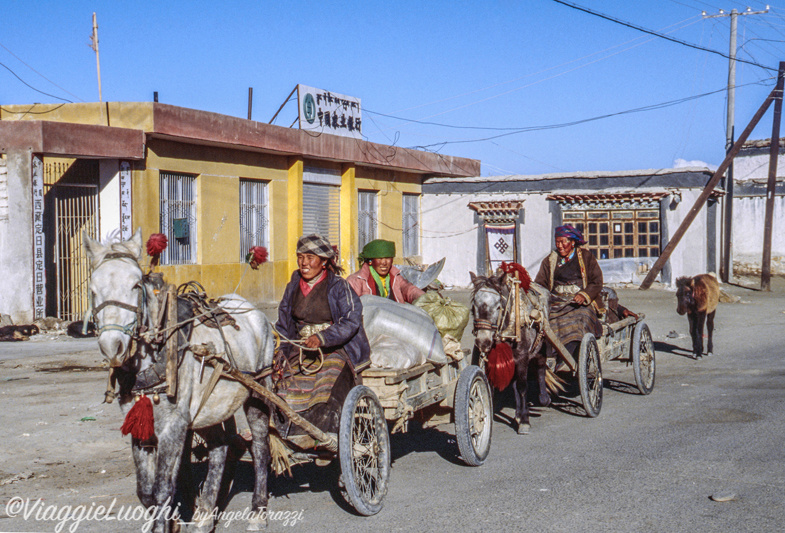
pixel 126 305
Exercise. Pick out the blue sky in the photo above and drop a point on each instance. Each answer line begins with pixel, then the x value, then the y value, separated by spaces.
pixel 458 65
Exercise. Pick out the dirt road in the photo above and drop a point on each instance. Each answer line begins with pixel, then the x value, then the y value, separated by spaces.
pixel 711 427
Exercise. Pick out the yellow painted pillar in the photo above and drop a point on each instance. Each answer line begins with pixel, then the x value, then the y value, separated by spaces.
pixel 295 205
pixel 349 250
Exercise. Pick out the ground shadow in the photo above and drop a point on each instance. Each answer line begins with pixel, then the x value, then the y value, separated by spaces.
pixel 660 346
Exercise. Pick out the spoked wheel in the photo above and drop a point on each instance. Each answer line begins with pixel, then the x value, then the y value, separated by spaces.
pixel 590 375
pixel 473 416
pixel 364 450
pixel 643 358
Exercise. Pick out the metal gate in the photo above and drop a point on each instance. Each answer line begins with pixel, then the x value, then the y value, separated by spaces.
pixel 71 208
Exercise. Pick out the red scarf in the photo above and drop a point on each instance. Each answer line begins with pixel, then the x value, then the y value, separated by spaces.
pixel 306 288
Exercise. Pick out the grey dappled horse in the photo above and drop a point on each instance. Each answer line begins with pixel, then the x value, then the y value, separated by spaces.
pixel 124 301
pixel 489 301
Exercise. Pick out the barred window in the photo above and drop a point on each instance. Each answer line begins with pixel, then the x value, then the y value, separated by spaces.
pixel 254 215
pixel 411 225
pixel 178 218
pixel 366 217
pixel 612 234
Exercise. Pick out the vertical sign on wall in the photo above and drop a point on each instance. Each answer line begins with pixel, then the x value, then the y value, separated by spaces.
pixel 39 273
pixel 125 200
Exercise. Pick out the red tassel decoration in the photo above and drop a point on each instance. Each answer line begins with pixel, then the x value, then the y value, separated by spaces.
pixel 258 254
pixel 139 421
pixel 500 367
pixel 156 244
pixel 523 275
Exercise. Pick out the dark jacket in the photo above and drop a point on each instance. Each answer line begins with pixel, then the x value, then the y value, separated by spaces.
pixel 591 274
pixel 347 330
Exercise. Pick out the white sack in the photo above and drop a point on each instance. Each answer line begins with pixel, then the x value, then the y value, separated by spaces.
pixel 382 316
pixel 389 352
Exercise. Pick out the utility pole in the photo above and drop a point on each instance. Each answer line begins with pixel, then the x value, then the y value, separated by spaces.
pixel 726 269
pixel 94 45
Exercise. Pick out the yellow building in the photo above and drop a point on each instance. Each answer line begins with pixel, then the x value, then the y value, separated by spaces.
pixel 214 184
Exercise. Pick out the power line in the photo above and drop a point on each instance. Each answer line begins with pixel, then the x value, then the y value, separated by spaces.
pixel 657 34
pixel 582 121
pixel 33 88
pixel 34 70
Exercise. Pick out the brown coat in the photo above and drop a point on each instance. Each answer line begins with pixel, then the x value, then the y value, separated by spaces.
pixel 591 274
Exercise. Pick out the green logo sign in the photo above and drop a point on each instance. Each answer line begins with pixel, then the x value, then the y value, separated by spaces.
pixel 309 108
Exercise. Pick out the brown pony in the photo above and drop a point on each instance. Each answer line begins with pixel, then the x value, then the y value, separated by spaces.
pixel 698 297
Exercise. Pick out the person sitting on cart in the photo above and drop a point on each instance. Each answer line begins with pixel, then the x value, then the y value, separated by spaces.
pixel 319 307
pixel 378 275
pixel 574 278
pixel 323 317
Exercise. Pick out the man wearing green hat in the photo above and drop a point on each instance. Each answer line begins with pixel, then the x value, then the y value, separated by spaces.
pixel 378 275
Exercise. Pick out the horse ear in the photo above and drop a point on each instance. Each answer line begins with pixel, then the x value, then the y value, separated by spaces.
pixel 135 244
pixel 472 276
pixel 93 248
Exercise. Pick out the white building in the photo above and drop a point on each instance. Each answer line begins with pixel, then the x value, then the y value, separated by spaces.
pixel 750 177
pixel 626 217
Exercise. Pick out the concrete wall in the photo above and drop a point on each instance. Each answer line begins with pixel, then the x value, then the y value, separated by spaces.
pixel 16 238
pixel 748 224
pixel 450 229
pixel 749 211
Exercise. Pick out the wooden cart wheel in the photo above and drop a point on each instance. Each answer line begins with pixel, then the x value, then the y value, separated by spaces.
pixel 473 415
pixel 590 375
pixel 364 450
pixel 643 358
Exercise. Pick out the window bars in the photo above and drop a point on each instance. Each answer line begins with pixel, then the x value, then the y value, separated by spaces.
pixel 366 217
pixel 178 218
pixel 411 225
pixel 254 215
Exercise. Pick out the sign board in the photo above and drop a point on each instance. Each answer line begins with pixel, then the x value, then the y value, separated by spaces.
pixel 325 112
pixel 39 270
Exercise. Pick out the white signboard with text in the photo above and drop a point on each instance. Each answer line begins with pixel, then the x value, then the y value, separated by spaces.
pixel 325 112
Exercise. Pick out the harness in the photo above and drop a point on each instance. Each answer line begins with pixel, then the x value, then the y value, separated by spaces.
pixel 511 312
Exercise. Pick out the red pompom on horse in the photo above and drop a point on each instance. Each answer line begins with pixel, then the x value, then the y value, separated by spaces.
pixel 256 256
pixel 523 276
pixel 156 245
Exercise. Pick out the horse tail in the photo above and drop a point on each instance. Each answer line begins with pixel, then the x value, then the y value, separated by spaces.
pixel 554 383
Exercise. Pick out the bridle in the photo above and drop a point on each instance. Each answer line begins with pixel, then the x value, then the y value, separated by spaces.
pixel 482 324
pixel 131 329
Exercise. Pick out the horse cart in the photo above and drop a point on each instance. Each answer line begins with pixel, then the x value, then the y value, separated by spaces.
pixel 389 397
pixel 628 341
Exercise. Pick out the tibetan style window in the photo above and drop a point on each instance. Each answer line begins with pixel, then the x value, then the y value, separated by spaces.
pixel 499 227
pixel 366 217
pixel 254 215
pixel 178 218
pixel 615 225
pixel 411 225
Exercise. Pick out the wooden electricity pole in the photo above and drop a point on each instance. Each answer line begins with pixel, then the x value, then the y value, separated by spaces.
pixel 774 152
pixel 704 196
pixel 94 45
pixel 726 269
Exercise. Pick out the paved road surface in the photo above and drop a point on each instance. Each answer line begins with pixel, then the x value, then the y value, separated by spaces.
pixel 647 463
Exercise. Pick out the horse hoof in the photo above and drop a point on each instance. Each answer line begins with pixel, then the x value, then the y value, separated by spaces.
pixel 709 354
pixel 545 400
pixel 523 429
pixel 257 522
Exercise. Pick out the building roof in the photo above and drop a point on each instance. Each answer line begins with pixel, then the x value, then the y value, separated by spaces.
pixel 595 174
pixel 114 130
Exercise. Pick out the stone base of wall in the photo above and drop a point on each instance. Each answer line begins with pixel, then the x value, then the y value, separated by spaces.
pixel 748 266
